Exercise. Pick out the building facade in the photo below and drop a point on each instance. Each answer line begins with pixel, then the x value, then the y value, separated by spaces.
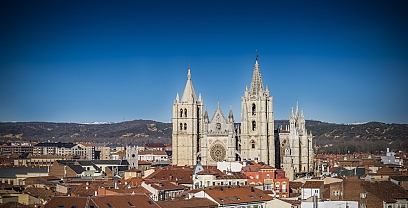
pixel 198 137
pixel 296 148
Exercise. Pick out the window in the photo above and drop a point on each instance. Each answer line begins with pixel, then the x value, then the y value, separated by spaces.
pixel 252 197
pixel 181 113
pixel 185 126
pixel 150 202
pixel 267 176
pixel 260 196
pixel 253 125
pixel 185 112
pixel 253 108
pixel 221 199
pixel 229 198
pixel 181 126
pixel 61 206
pixel 109 205
pixel 253 144
pixel 237 198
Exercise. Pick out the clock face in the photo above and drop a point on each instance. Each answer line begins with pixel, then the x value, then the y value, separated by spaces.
pixel 218 153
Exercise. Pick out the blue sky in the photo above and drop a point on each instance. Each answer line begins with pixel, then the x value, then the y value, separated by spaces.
pixel 85 61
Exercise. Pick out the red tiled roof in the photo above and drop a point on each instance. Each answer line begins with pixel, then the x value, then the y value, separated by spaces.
pixel 237 194
pixel 129 200
pixel 188 203
pixel 313 184
pixel 175 174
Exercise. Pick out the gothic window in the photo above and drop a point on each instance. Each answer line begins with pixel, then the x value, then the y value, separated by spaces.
pixel 253 144
pixel 181 112
pixel 185 126
pixel 185 112
pixel 253 108
pixel 181 126
pixel 253 125
pixel 218 126
pixel 218 152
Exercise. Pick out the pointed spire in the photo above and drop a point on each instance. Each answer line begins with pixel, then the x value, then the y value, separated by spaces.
pixel 297 107
pixel 206 116
pixel 199 97
pixel 256 84
pixel 189 94
pixel 230 115
pixel 177 97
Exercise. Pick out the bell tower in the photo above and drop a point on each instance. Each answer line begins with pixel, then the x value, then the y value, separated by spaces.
pixel 187 126
pixel 257 121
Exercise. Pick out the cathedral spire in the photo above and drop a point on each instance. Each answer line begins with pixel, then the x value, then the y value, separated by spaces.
pixel 297 107
pixel 188 94
pixel 206 116
pixel 230 115
pixel 256 84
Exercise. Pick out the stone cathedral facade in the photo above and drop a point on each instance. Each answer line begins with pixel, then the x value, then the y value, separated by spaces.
pixel 199 137
pixel 296 149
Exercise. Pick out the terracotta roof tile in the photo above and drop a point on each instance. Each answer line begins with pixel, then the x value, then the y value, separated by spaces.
pixel 187 203
pixel 313 184
pixel 237 194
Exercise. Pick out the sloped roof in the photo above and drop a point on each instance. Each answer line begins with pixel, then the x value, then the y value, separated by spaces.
pixel 177 174
pixel 11 172
pixel 188 203
pixel 313 184
pixel 385 190
pixel 237 194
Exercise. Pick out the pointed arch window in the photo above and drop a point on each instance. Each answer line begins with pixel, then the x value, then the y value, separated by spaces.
pixel 181 112
pixel 185 126
pixel 185 112
pixel 181 126
pixel 253 144
pixel 253 125
pixel 253 109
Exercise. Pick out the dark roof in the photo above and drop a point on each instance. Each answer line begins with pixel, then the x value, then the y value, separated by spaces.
pixel 77 168
pixel 24 155
pixel 399 178
pixel 55 144
pixel 11 172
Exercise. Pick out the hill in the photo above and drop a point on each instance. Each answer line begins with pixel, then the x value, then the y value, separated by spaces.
pixel 137 131
pixel 328 137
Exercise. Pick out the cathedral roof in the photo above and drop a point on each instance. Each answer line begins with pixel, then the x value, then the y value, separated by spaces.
pixel 189 94
pixel 218 116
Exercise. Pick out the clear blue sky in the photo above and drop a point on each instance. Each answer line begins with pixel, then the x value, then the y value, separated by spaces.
pixel 85 61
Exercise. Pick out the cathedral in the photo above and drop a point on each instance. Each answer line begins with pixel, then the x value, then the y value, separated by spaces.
pixel 199 138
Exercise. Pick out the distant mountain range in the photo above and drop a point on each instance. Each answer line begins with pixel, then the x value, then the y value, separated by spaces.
pixel 328 137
